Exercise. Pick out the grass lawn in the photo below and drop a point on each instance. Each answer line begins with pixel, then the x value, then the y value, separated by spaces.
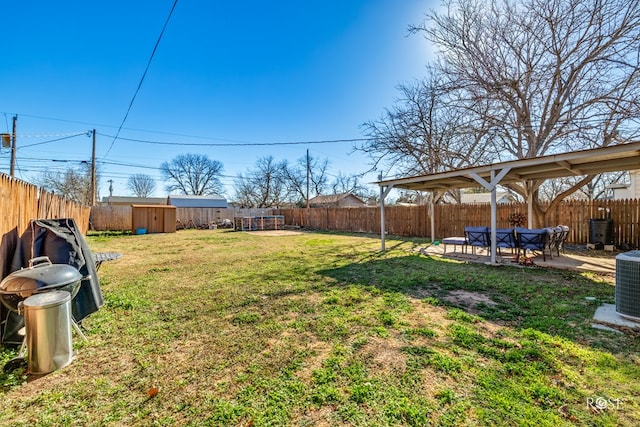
pixel 217 327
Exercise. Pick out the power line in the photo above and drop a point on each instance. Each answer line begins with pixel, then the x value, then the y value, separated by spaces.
pixel 52 140
pixel 237 144
pixel 143 76
pixel 231 142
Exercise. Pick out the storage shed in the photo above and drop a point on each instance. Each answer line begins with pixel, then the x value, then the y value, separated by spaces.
pixel 153 219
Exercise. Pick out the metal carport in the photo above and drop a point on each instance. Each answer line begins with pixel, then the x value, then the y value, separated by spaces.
pixel 577 163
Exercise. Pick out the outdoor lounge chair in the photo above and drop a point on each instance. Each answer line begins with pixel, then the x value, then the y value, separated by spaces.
pixel 533 239
pixel 505 238
pixel 477 237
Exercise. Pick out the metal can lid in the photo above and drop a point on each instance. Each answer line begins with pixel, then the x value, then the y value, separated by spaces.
pixel 47 299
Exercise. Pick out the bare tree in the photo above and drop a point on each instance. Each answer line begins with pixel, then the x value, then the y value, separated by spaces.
pixel 296 176
pixel 193 174
pixel 351 184
pixel 264 186
pixel 598 188
pixel 550 75
pixel 424 132
pixel 72 184
pixel 141 185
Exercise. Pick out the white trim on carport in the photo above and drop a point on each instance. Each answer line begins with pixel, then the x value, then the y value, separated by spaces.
pixel 576 163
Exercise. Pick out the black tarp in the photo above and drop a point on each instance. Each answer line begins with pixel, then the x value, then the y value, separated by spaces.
pixel 63 243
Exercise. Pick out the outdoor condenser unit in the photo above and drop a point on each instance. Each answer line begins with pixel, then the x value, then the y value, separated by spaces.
pixel 628 285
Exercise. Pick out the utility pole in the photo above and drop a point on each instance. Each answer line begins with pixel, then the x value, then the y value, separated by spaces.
pixel 12 169
pixel 308 173
pixel 93 170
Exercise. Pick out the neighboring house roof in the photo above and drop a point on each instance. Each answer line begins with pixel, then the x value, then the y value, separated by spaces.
pixel 120 200
pixel 336 199
pixel 501 196
pixel 182 201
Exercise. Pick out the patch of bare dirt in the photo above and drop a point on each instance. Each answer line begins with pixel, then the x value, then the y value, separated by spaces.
pixel 468 300
pixel 385 355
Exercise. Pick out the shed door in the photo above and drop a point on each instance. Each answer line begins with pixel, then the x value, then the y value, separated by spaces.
pixel 156 220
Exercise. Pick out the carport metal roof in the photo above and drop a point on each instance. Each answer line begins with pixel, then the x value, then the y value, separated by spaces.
pixel 585 162
pixel 577 163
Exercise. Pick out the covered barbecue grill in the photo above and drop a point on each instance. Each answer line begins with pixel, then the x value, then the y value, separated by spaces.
pixel 42 293
pixel 61 240
pixel 41 276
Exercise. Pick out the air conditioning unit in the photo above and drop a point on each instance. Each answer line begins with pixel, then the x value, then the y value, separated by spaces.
pixel 628 285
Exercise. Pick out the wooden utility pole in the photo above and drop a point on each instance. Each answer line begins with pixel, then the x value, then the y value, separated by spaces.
pixel 12 169
pixel 93 170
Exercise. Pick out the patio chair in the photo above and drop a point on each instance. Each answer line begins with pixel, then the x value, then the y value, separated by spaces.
pixel 477 237
pixel 560 235
pixel 505 238
pixel 533 239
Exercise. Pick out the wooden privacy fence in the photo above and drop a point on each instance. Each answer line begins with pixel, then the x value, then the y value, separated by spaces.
pixel 21 202
pixel 412 221
pixel 450 220
pixel 119 218
pixel 111 218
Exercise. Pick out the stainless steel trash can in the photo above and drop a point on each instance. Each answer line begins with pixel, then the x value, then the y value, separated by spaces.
pixel 47 318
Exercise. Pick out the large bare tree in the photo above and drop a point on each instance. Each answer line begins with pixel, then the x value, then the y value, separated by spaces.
pixel 141 185
pixel 193 174
pixel 550 75
pixel 424 132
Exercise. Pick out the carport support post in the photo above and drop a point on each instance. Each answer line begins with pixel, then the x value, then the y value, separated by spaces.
pixel 381 215
pixel 494 219
pixel 530 208
pixel 491 186
pixel 432 211
pixel 384 192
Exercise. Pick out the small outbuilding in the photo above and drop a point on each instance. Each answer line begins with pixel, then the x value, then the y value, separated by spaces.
pixel 344 200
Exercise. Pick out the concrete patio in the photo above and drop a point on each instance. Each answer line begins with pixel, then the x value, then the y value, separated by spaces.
pixel 596 262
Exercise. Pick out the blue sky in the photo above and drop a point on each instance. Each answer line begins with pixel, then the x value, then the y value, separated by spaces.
pixel 263 72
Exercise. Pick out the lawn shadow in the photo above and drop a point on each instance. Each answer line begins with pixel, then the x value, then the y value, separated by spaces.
pixel 555 302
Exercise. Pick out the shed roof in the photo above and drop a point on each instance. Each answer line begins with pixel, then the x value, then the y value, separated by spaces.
pixel 187 201
pixel 127 200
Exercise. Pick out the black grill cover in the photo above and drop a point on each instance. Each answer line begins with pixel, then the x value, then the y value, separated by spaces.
pixel 62 241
